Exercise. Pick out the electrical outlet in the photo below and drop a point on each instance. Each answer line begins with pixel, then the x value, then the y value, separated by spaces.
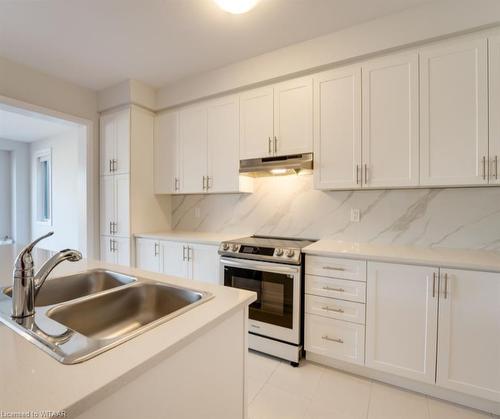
pixel 197 212
pixel 355 215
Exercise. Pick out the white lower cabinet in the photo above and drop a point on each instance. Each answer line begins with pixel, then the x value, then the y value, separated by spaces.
pixel 147 254
pixel 186 260
pixel 429 324
pixel 469 333
pixel 401 320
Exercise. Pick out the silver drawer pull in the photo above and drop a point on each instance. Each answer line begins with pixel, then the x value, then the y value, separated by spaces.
pixel 333 289
pixel 333 268
pixel 336 340
pixel 337 310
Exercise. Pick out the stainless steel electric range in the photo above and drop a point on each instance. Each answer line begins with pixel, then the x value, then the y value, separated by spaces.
pixel 273 267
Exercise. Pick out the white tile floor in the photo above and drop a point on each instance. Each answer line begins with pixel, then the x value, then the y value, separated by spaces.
pixel 278 391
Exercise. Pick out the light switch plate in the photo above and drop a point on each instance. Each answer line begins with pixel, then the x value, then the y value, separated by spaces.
pixel 355 215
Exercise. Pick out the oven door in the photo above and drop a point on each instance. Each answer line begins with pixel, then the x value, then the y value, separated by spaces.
pixel 276 312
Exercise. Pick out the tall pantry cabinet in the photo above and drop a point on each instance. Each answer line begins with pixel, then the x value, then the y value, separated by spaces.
pixel 127 201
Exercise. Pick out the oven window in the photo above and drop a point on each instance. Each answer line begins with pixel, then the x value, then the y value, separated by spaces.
pixel 274 303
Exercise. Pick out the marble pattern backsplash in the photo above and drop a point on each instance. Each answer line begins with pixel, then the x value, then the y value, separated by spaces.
pixel 289 206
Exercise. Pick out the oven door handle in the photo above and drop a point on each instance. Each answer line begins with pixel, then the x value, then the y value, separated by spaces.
pixel 260 266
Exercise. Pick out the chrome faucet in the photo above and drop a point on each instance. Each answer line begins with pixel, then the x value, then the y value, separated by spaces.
pixel 26 284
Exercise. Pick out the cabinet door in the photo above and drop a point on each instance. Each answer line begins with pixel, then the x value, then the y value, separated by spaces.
pixel 204 263
pixel 401 320
pixel 337 129
pixel 147 255
pixel 174 259
pixel 390 121
pixel 107 204
pixel 256 123
pixel 122 250
pixel 166 153
pixel 122 141
pixel 107 253
pixel 454 113
pixel 469 333
pixel 223 145
pixel 122 204
pixel 293 118
pixel 494 116
pixel 193 149
pixel 107 143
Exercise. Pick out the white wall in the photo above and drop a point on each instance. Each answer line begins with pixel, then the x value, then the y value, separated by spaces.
pixel 5 194
pixel 25 84
pixel 429 21
pixel 65 192
pixel 20 185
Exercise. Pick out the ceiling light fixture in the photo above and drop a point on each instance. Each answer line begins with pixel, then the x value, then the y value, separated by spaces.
pixel 236 7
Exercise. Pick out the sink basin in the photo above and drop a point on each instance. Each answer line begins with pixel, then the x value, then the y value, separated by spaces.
pixel 81 316
pixel 124 311
pixel 66 288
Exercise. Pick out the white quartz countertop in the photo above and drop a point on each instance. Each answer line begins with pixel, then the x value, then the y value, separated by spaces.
pixel 192 236
pixel 31 380
pixel 435 256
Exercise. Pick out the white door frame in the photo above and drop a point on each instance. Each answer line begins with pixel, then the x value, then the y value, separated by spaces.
pixel 87 187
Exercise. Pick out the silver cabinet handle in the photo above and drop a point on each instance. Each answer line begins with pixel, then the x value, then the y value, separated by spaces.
pixel 157 249
pixel 110 165
pixel 333 289
pixel 357 174
pixel 366 173
pixel 110 227
pixel 269 145
pixel 110 245
pixel 275 144
pixel 496 167
pixel 115 165
pixel 176 183
pixel 336 340
pixel 189 253
pixel 445 286
pixel 115 227
pixel 204 187
pixel 208 182
pixel 433 284
pixel 183 253
pixel 336 310
pixel 333 268
pixel 484 167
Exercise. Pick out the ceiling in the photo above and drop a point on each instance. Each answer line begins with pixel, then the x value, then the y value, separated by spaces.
pixel 98 43
pixel 19 125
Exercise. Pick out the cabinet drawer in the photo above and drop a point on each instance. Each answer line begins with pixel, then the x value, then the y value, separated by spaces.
pixel 335 309
pixel 335 338
pixel 354 270
pixel 336 288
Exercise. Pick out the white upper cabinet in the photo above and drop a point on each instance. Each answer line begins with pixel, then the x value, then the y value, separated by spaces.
pixel 469 333
pixel 494 116
pixel 401 320
pixel 115 142
pixel 166 153
pixel 293 117
pixel 390 121
pixel 277 120
pixel 223 145
pixel 193 149
pixel 337 129
pixel 454 113
pixel 256 123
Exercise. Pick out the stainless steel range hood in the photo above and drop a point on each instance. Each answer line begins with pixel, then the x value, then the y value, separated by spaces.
pixel 281 165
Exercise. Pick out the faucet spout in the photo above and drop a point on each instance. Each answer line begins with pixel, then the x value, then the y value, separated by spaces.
pixel 26 285
pixel 48 267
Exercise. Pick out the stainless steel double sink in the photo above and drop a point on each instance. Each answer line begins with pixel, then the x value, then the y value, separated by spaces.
pixel 82 315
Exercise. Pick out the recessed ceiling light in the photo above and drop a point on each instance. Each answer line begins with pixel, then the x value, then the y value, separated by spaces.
pixel 236 7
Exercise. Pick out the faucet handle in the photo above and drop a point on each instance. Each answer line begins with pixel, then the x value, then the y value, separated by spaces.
pixel 24 260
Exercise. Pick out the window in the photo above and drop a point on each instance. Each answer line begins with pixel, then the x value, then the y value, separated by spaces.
pixel 43 165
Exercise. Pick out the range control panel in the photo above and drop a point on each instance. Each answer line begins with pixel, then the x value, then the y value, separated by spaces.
pixel 285 254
